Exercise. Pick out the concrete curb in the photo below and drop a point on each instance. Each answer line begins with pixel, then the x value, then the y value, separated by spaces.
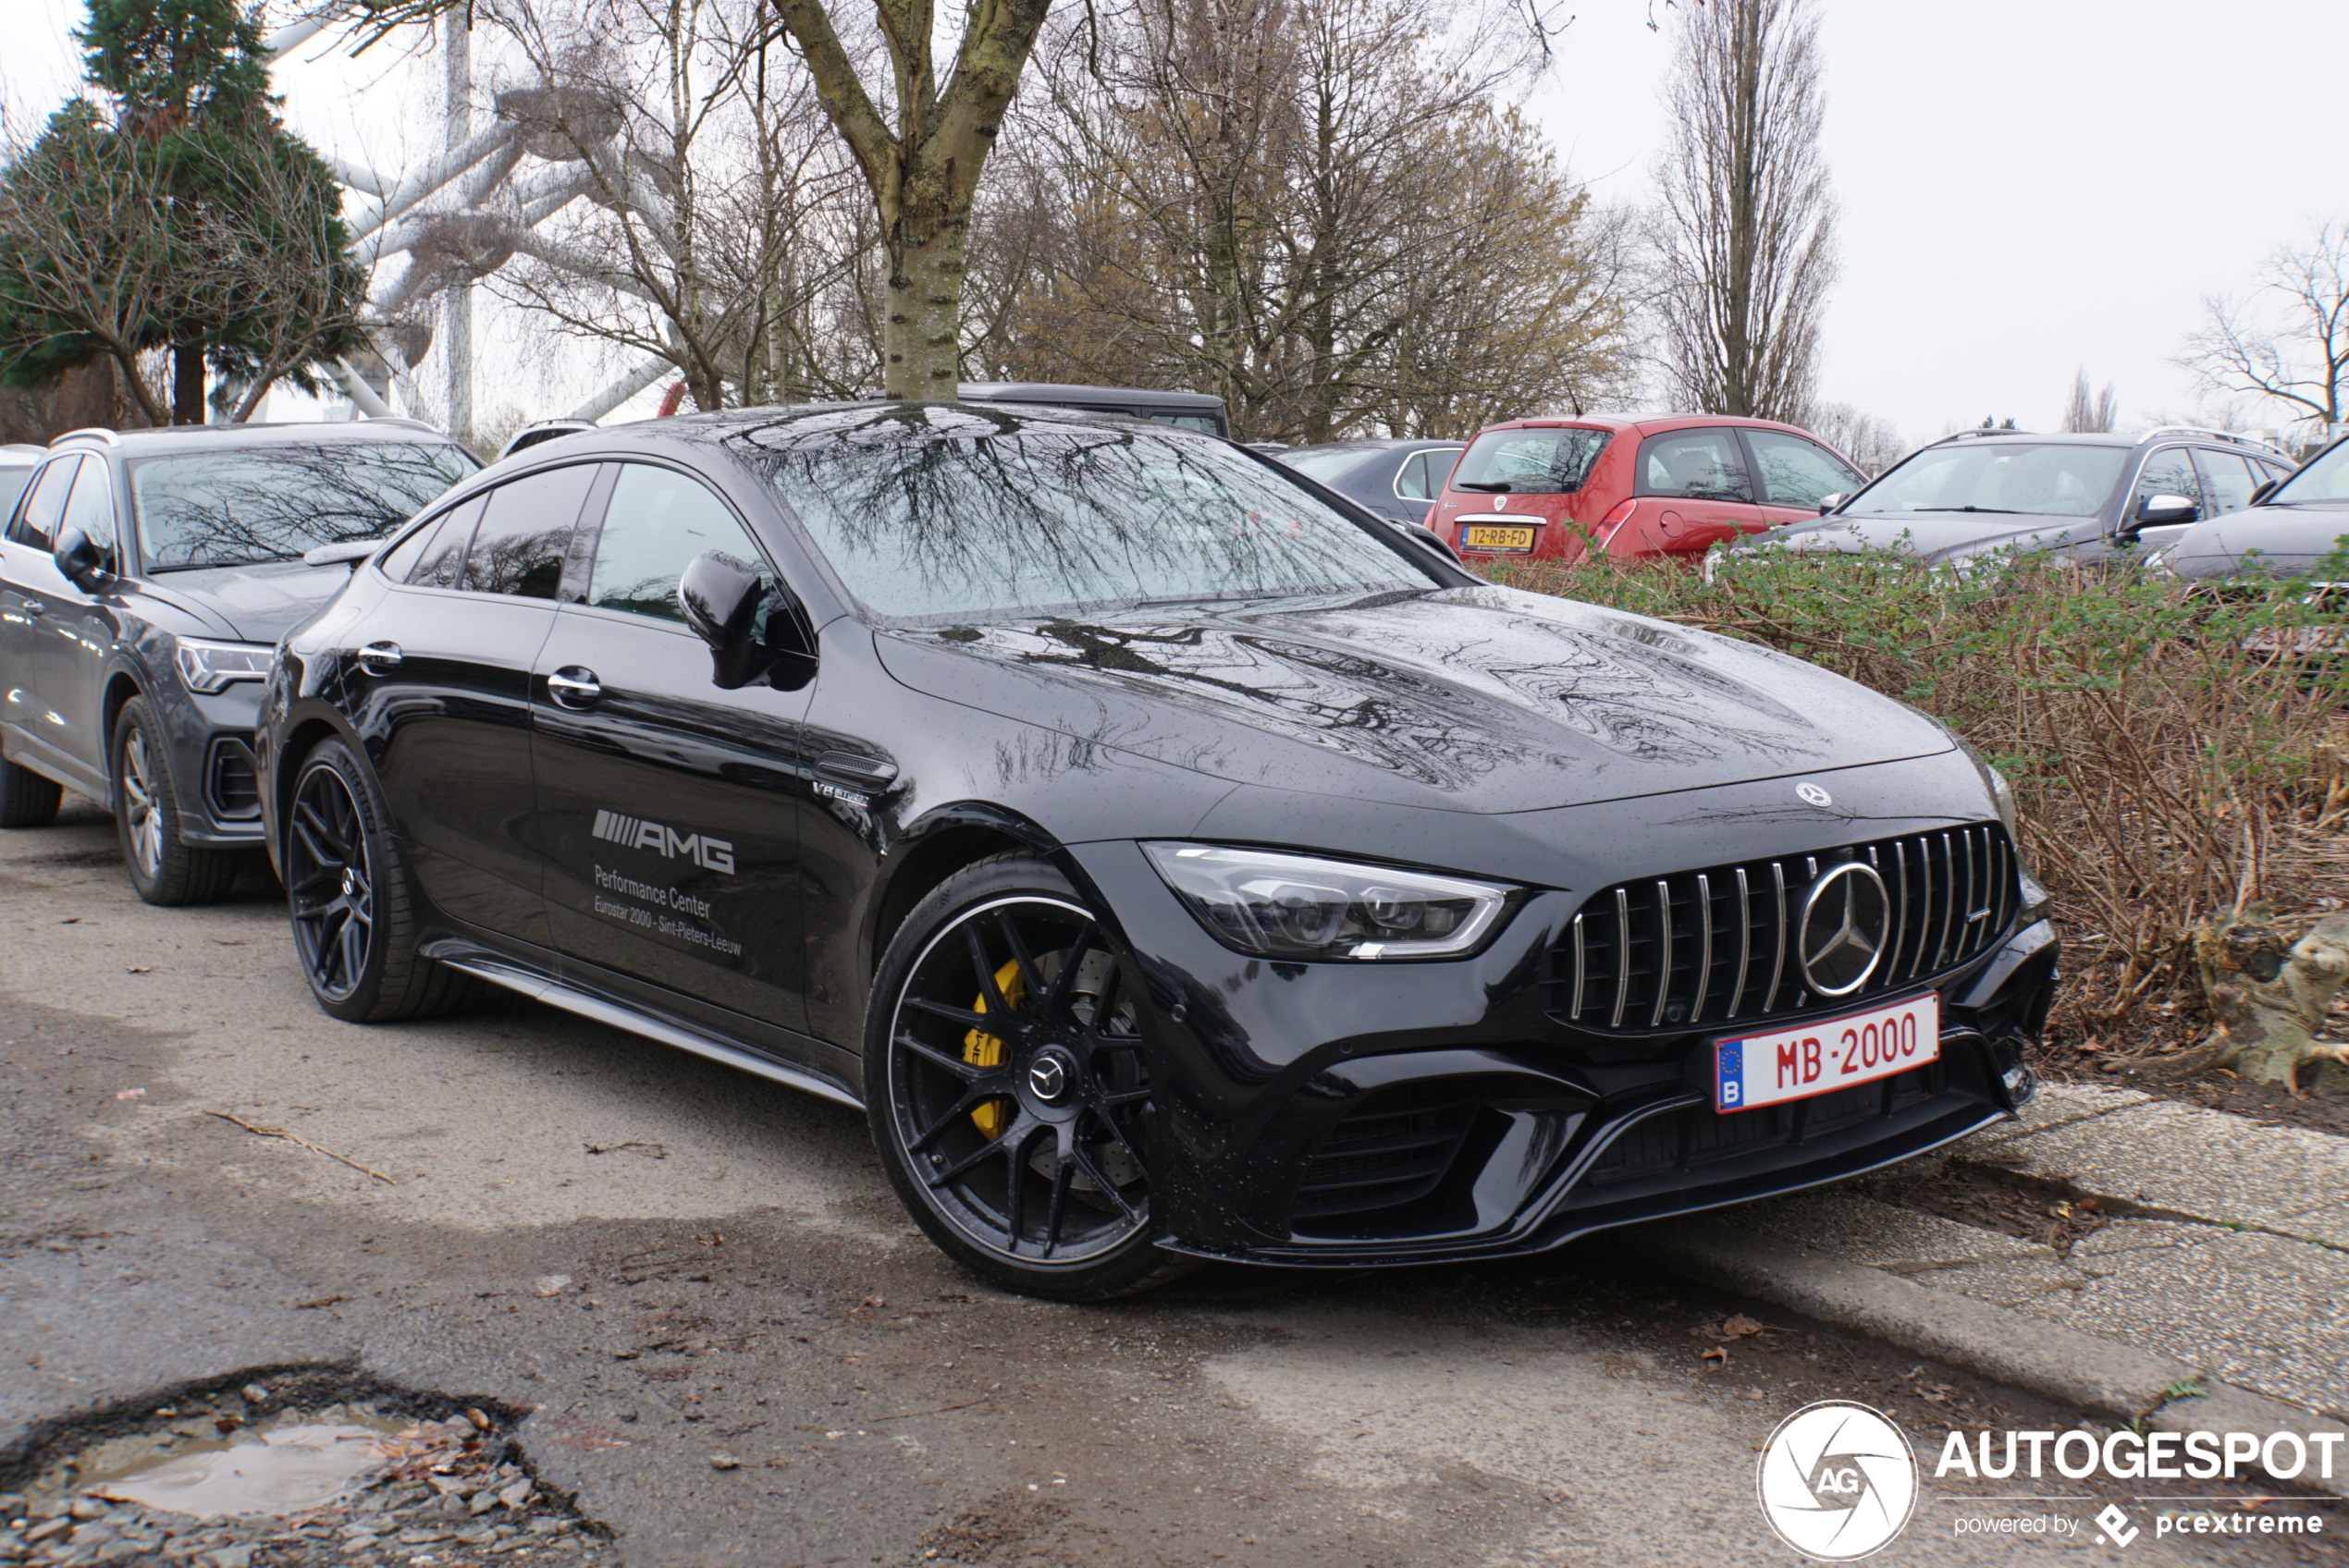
pixel 2083 1370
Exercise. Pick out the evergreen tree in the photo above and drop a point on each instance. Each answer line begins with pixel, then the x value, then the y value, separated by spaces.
pixel 191 219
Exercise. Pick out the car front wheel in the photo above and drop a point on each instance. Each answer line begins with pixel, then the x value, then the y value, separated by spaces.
pixel 1008 1086
pixel 146 814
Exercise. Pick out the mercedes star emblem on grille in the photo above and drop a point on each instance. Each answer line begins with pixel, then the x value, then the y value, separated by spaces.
pixel 1814 794
pixel 1847 918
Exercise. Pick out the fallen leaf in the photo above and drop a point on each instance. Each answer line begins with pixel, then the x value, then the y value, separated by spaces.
pixel 724 1462
pixel 553 1284
pixel 138 969
pixel 322 1301
pixel 1737 1325
pixel 1715 1354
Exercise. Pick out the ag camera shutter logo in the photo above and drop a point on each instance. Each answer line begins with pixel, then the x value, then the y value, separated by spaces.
pixel 1837 1480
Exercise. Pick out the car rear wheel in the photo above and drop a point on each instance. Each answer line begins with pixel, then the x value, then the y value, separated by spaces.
pixel 354 925
pixel 27 800
pixel 1009 1086
pixel 146 814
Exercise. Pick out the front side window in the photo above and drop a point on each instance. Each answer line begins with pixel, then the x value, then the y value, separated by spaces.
pixel 2323 482
pixel 91 510
pixel 657 521
pixel 1548 461
pixel 518 547
pixel 2168 471
pixel 2053 479
pixel 1796 472
pixel 37 524
pixel 239 507
pixel 1701 464
pixel 935 512
pixel 2226 481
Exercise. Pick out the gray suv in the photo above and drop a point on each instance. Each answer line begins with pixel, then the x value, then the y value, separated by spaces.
pixel 145 577
pixel 2081 498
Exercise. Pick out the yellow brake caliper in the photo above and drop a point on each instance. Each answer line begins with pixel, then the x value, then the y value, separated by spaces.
pixel 985 1050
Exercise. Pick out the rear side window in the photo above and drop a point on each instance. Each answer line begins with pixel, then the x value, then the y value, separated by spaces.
pixel 441 563
pixel 1701 464
pixel 37 524
pixel 1795 473
pixel 1551 461
pixel 1422 472
pixel 2228 481
pixel 657 521
pixel 518 549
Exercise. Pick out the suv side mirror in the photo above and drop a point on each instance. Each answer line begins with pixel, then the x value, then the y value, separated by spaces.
pixel 1829 503
pixel 2264 491
pixel 2157 510
pixel 721 597
pixel 81 560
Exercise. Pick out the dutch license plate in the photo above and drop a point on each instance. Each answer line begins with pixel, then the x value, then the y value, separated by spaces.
pixel 1498 536
pixel 1835 1053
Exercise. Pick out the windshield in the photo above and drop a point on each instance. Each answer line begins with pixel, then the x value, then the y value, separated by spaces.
pixel 1323 463
pixel 933 513
pixel 2053 480
pixel 1530 462
pixel 2324 483
pixel 271 503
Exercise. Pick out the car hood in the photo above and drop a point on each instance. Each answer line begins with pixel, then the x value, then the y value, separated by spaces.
pixel 2262 542
pixel 261 603
pixel 1480 699
pixel 1934 535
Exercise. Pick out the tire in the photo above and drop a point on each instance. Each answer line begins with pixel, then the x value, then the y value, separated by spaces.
pixel 146 818
pixel 1025 1156
pixel 27 800
pixel 347 898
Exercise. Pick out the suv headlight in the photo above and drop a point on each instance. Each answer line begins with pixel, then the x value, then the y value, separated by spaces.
pixel 215 666
pixel 1288 906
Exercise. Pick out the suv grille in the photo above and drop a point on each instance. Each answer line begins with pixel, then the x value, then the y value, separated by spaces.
pixel 1698 948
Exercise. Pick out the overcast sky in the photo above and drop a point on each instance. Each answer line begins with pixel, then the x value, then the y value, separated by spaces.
pixel 2028 186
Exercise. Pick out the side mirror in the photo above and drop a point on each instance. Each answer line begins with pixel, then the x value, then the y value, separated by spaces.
pixel 2264 491
pixel 1829 503
pixel 2154 510
pixel 81 560
pixel 721 597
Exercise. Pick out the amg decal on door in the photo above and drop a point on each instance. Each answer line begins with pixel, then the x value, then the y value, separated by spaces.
pixel 713 855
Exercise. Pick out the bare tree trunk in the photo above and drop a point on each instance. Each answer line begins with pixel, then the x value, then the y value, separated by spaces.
pixel 187 384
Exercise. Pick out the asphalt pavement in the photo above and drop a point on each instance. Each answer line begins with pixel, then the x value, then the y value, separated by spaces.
pixel 726 1344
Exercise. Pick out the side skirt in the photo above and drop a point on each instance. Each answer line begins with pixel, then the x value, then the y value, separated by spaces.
pixel 554 993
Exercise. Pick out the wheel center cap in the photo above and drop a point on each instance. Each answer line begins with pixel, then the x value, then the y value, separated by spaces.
pixel 1049 1075
pixel 348 882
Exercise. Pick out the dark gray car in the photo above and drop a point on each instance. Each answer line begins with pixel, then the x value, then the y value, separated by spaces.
pixel 2290 531
pixel 145 577
pixel 2082 497
pixel 1395 480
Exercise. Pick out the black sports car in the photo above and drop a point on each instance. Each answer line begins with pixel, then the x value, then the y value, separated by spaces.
pixel 1174 861
pixel 144 577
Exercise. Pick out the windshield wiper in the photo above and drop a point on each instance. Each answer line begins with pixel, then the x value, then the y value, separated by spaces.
pixel 2001 512
pixel 216 566
pixel 1495 486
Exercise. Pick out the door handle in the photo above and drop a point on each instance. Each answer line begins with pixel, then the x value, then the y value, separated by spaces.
pixel 378 657
pixel 574 686
pixel 35 607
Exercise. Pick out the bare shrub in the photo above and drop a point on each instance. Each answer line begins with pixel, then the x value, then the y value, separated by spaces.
pixel 2172 755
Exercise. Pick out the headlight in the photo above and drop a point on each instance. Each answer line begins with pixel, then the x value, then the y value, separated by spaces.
pixel 215 666
pixel 1303 907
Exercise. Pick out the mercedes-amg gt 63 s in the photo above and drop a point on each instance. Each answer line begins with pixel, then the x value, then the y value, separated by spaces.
pixel 1171 860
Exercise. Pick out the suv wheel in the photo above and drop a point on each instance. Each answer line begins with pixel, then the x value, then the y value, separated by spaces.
pixel 1009 1089
pixel 163 870
pixel 27 800
pixel 354 924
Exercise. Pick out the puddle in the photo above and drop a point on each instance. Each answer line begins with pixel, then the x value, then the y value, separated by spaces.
pixel 288 1469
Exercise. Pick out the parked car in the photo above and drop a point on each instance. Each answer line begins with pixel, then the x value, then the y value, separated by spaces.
pixel 1642 488
pixel 1173 863
pixel 1190 410
pixel 538 431
pixel 16 463
pixel 1393 479
pixel 2083 498
pixel 2286 531
pixel 144 577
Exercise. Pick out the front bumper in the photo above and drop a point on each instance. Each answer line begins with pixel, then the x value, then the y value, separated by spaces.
pixel 212 762
pixel 1345 1115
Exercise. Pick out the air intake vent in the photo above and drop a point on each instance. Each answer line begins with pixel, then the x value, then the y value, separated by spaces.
pixel 1392 1149
pixel 1697 948
pixel 230 782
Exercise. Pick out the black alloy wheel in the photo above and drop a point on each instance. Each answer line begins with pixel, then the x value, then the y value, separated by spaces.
pixel 1009 1090
pixel 164 870
pixel 347 892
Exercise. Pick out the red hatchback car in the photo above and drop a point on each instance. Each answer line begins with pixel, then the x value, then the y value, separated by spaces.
pixel 1644 486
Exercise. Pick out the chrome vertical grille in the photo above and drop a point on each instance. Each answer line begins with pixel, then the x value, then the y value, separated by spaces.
pixel 1715 946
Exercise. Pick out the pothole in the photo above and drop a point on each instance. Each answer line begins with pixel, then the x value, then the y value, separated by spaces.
pixel 278 1472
